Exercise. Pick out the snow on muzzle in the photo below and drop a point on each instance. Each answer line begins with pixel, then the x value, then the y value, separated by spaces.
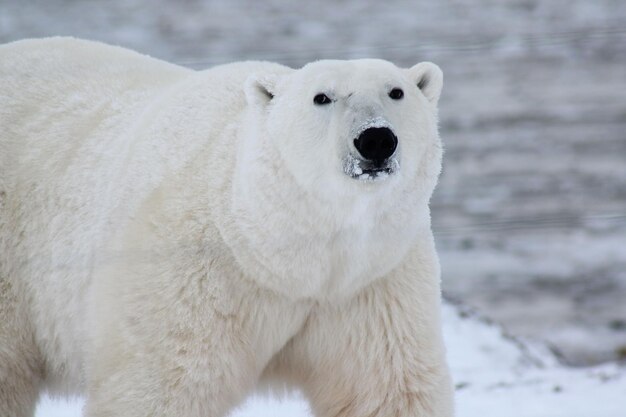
pixel 375 144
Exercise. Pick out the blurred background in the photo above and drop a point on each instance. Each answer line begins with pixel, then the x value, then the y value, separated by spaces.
pixel 530 213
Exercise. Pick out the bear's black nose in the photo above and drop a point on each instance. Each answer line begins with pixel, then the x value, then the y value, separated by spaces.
pixel 376 144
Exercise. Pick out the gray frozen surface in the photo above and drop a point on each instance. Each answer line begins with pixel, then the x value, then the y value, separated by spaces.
pixel 530 214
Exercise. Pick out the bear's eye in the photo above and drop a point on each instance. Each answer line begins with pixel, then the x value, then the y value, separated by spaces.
pixel 396 94
pixel 321 99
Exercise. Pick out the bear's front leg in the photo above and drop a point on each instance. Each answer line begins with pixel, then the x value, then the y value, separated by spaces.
pixel 190 346
pixel 380 354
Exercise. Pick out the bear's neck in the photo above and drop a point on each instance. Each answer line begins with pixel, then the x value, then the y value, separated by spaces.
pixel 294 243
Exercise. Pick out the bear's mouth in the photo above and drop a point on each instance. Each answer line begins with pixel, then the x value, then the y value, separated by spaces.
pixel 368 171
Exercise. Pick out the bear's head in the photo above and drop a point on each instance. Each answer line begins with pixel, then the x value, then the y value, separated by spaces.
pixel 337 162
pixel 356 125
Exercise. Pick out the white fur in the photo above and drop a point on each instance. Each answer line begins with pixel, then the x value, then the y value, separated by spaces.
pixel 169 238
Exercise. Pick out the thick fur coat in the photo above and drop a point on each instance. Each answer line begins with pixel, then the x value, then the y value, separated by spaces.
pixel 172 239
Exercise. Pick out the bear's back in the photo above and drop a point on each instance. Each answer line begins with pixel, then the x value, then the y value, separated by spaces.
pixel 55 92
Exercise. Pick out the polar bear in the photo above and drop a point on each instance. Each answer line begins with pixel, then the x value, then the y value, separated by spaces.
pixel 171 240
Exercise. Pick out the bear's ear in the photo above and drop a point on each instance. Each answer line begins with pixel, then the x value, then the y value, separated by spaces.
pixel 260 89
pixel 429 79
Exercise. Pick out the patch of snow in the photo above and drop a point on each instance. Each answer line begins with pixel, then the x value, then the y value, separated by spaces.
pixel 370 123
pixel 352 166
pixel 497 374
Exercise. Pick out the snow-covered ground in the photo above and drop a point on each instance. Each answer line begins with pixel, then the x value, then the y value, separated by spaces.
pixel 495 374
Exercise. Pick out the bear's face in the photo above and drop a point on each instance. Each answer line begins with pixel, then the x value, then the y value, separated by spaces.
pixel 336 165
pixel 352 126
